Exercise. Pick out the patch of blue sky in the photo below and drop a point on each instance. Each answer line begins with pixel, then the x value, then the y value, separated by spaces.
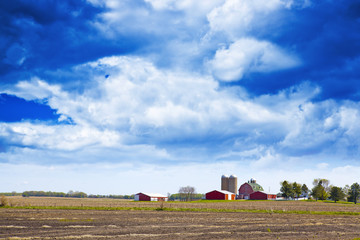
pixel 14 109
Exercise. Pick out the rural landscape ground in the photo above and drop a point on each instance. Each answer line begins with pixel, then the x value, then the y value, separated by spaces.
pixel 68 218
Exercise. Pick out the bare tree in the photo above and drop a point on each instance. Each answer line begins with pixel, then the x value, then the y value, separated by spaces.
pixel 186 193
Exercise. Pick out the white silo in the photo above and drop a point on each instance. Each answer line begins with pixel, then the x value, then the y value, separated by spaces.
pixel 225 182
pixel 233 184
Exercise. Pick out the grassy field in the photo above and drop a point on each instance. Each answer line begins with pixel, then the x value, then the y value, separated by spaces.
pixel 68 218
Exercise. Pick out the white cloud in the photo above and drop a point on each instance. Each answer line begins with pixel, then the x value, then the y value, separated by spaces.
pixel 164 18
pixel 237 17
pixel 248 55
pixel 58 137
pixel 138 99
pixel 146 109
pixel 34 89
pixel 298 3
pixel 194 27
pixel 186 5
pixel 324 126
pixel 349 120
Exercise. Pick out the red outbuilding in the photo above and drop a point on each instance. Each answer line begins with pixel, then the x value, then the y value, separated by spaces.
pixel 220 195
pixel 262 196
pixel 150 197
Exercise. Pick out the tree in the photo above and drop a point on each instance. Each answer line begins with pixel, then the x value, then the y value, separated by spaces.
pixel 324 182
pixel 304 190
pixel 336 194
pixel 354 192
pixel 186 193
pixel 318 192
pixel 320 189
pixel 346 190
pixel 296 189
pixel 286 189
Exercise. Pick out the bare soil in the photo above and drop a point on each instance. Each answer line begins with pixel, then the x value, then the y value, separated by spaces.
pixel 96 224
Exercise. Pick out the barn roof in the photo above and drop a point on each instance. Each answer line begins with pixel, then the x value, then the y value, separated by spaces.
pixel 152 194
pixel 223 191
pixel 256 187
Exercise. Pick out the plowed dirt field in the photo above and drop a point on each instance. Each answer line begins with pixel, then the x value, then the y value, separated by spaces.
pixel 152 224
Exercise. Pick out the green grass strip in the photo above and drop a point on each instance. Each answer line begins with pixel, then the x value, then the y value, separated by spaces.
pixel 172 209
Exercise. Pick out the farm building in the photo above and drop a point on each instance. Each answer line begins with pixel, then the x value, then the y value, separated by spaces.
pixel 229 183
pixel 247 188
pixel 220 195
pixel 150 197
pixel 262 196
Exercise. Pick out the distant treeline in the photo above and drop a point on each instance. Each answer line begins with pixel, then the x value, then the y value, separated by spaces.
pixel 10 194
pixel 54 194
pixel 182 197
pixel 112 196
pixel 72 194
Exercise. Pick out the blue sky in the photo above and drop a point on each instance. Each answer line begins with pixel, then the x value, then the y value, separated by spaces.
pixel 118 97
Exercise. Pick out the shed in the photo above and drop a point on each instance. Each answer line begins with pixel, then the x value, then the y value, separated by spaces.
pixel 150 197
pixel 258 195
pixel 220 195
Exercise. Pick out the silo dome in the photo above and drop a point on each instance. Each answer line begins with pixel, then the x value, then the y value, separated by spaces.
pixel 224 176
pixel 233 176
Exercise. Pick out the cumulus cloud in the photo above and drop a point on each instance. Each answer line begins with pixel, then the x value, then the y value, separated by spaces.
pixel 324 126
pixel 58 137
pixel 237 17
pixel 187 5
pixel 140 101
pixel 248 55
pixel 132 103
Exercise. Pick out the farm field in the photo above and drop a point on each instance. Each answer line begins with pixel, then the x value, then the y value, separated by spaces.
pixel 207 221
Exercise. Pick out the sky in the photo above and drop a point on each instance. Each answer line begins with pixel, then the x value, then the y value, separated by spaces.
pixel 120 97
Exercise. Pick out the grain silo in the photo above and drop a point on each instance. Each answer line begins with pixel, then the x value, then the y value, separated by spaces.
pixel 232 184
pixel 225 182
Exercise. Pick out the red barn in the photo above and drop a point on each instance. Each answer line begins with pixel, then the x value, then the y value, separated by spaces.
pixel 150 197
pixel 220 195
pixel 247 188
pixel 262 196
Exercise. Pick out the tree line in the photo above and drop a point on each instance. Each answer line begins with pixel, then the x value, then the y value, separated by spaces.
pixel 322 190
pixel 10 194
pixel 71 194
pixel 112 196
